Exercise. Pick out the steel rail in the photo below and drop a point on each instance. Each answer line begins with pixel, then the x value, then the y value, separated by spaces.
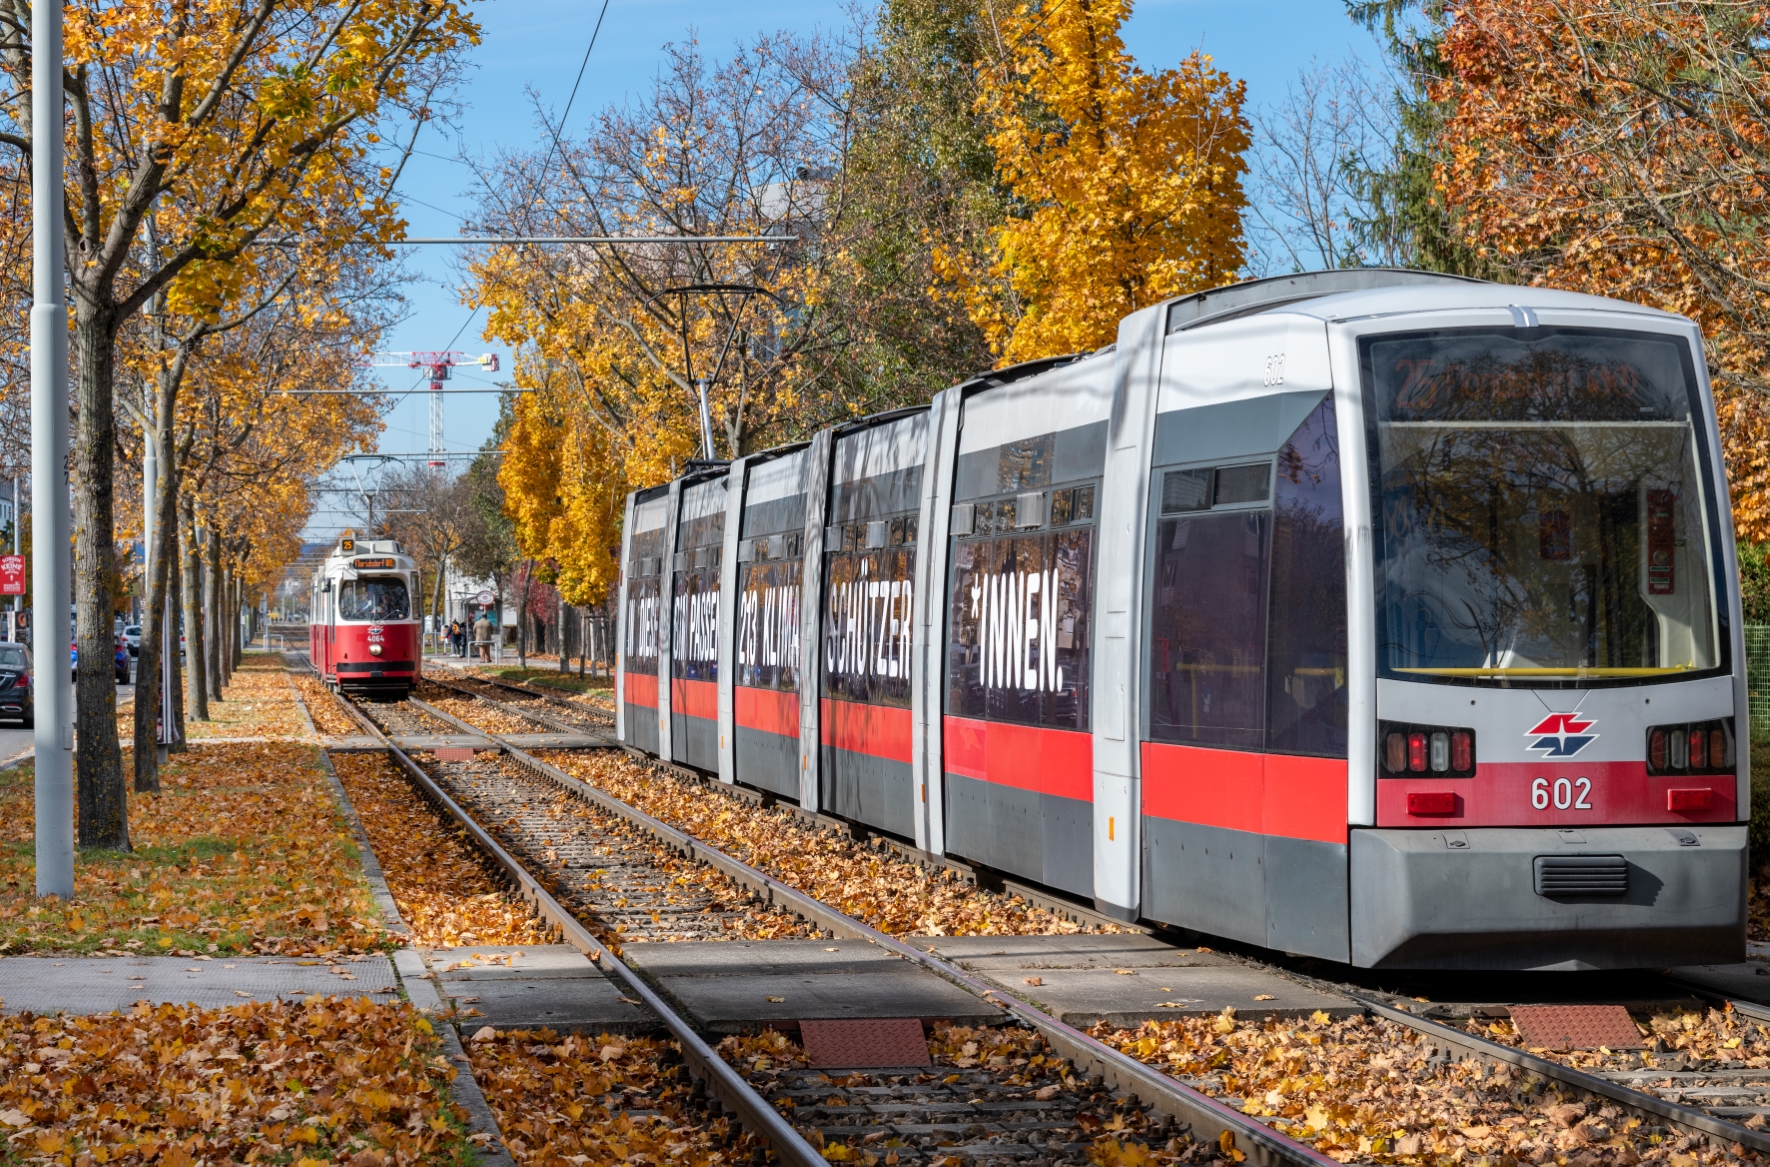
pixel 755 1112
pixel 1081 1048
pixel 1208 1118
pixel 1006 885
pixel 550 698
pixel 1489 1050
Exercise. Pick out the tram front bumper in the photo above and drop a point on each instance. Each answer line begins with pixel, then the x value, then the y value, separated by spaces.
pixel 1482 898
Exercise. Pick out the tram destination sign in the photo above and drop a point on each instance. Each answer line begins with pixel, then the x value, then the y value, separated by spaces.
pixel 383 561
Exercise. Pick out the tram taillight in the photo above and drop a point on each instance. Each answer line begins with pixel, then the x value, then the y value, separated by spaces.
pixel 1439 751
pixel 1705 747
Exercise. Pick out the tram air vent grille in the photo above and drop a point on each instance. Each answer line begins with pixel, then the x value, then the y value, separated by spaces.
pixel 1582 875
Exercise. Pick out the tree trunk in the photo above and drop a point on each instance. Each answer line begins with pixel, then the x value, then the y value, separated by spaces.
pixel 155 636
pixel 195 662
pixel 522 619
pixel 175 589
pixel 214 629
pixel 236 636
pixel 103 798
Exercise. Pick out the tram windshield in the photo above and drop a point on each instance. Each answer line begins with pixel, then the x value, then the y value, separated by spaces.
pixel 1544 508
pixel 382 598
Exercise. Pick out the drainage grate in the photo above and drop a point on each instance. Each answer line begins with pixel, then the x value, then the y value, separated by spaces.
pixel 1582 875
pixel 1576 1027
pixel 453 753
pixel 895 1041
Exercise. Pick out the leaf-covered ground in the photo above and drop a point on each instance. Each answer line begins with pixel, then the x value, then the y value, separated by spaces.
pixel 327 717
pixel 243 850
pixel 435 873
pixel 569 1102
pixel 344 1080
pixel 476 713
pixel 256 703
pixel 868 882
pixel 1366 1090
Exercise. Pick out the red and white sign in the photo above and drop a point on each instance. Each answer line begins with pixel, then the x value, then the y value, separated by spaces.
pixel 12 575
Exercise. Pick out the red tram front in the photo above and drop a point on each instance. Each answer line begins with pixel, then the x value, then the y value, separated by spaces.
pixel 362 633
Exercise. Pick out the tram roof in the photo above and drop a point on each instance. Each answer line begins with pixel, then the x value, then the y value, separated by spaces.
pixel 1353 293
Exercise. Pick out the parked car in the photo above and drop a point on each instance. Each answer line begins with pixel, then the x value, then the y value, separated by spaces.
pixel 15 684
pixel 132 638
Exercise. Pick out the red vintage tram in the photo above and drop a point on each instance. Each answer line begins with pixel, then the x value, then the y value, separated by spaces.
pixel 362 631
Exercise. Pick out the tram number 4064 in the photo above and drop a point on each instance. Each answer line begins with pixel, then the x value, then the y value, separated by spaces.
pixel 1567 794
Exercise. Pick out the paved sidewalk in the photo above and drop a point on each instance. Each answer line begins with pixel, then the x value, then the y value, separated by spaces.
pixel 75 984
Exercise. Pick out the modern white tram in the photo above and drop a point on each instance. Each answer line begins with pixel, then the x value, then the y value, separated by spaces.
pixel 1373 615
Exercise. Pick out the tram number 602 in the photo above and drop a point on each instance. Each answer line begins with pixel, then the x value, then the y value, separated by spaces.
pixel 1568 795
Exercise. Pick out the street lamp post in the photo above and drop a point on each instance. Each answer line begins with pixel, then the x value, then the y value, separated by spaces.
pixel 54 697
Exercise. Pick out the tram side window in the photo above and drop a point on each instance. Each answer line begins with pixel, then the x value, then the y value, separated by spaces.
pixel 1019 623
pixel 867 621
pixel 374 599
pixel 1248 628
pixel 1306 654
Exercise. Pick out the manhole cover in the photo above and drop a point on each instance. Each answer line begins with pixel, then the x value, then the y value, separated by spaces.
pixel 1576 1027
pixel 454 753
pixel 895 1041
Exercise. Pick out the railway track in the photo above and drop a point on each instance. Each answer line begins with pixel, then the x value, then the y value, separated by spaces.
pixel 580 716
pixel 1690 1102
pixel 607 890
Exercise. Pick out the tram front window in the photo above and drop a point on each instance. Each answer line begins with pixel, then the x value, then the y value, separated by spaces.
pixel 1543 508
pixel 373 599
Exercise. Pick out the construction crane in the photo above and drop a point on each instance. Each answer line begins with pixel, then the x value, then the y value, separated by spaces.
pixel 437 366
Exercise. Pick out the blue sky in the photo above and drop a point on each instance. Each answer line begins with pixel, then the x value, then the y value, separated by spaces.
pixel 538 45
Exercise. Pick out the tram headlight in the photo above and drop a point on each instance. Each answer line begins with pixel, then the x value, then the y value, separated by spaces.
pixel 374 650
pixel 1702 747
pixel 1405 751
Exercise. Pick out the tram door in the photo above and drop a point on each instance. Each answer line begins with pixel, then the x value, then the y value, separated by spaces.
pixel 1244 758
pixel 694 628
pixel 1017 748
pixel 869 571
pixel 639 623
pixel 771 568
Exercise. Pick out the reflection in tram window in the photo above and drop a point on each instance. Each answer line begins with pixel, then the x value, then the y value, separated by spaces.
pixel 374 598
pixel 1248 621
pixel 1543 510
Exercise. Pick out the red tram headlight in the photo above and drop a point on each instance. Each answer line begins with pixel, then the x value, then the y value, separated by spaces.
pixel 1703 747
pixel 1406 751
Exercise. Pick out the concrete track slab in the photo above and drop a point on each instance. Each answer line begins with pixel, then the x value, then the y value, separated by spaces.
pixel 592 1004
pixel 731 986
pixel 1127 979
pixel 1747 982
pixel 439 741
pixel 357 744
pixel 45 984
pixel 533 962
pixel 556 741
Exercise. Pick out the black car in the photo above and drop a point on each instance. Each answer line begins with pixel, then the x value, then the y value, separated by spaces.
pixel 15 684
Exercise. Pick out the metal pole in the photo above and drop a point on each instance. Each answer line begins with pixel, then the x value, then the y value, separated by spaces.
pixel 700 388
pixel 50 633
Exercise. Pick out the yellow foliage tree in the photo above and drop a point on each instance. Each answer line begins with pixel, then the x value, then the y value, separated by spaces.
pixel 1127 184
pixel 563 489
